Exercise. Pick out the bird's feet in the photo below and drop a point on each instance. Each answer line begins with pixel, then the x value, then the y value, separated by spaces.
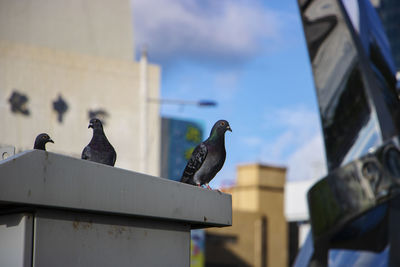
pixel 209 187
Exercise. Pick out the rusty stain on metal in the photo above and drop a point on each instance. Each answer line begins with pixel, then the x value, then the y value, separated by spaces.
pixel 120 232
pixel 82 225
pixel 86 226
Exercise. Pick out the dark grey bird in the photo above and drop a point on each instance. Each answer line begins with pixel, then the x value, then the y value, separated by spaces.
pixel 99 149
pixel 208 157
pixel 41 141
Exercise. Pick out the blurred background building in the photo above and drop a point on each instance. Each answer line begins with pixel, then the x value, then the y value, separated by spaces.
pixel 63 62
pixel 178 139
pixel 297 216
pixel 389 12
pixel 259 234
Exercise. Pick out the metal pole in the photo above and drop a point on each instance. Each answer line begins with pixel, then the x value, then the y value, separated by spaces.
pixel 203 103
pixel 143 111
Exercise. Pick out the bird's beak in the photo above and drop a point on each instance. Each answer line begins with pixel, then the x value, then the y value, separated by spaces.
pixel 51 141
pixel 90 125
pixel 228 128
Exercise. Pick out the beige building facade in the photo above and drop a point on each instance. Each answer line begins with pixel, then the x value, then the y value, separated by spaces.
pixel 259 235
pixel 69 59
pixel 100 28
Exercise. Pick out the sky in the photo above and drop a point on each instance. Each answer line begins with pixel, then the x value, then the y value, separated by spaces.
pixel 250 57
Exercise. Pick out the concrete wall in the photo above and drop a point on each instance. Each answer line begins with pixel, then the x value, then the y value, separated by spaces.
pixel 94 27
pixel 257 197
pixel 267 184
pixel 82 51
pixel 85 82
pixel 239 245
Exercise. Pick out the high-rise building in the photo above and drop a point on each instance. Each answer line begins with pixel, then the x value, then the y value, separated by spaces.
pixel 62 62
pixel 389 12
pixel 178 139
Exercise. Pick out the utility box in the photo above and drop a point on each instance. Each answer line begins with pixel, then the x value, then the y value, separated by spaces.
pixel 61 211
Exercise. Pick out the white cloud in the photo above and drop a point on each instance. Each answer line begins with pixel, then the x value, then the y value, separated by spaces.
pixel 225 79
pixel 279 146
pixel 220 32
pixel 299 146
pixel 308 161
pixel 226 84
pixel 297 126
pixel 252 141
pixel 299 117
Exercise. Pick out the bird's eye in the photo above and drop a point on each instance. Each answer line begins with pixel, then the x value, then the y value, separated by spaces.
pixel 222 123
pixel 43 137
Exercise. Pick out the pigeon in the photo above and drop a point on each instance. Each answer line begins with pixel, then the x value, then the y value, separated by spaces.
pixel 99 149
pixel 41 140
pixel 208 157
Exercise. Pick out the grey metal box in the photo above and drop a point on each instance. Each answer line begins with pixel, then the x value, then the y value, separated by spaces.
pixel 61 211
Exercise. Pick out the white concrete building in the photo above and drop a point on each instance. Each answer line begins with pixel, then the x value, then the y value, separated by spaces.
pixel 296 206
pixel 82 52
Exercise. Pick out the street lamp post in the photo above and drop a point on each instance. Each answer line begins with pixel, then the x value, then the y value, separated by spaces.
pixel 201 103
pixel 143 87
pixel 159 101
pixel 143 114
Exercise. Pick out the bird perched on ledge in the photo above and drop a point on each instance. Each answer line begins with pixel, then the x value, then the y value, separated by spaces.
pixel 41 141
pixel 99 149
pixel 208 157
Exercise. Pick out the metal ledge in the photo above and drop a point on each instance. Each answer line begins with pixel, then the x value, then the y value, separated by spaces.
pixel 45 179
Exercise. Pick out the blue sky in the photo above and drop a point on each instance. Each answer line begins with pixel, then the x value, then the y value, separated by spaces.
pixel 250 57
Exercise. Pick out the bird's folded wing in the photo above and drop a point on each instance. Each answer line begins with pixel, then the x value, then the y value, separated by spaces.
pixel 86 153
pixel 196 160
pixel 114 157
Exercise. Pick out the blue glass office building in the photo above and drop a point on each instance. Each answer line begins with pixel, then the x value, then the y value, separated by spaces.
pixel 389 12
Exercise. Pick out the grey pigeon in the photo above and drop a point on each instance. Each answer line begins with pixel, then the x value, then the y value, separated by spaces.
pixel 99 149
pixel 208 157
pixel 41 141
